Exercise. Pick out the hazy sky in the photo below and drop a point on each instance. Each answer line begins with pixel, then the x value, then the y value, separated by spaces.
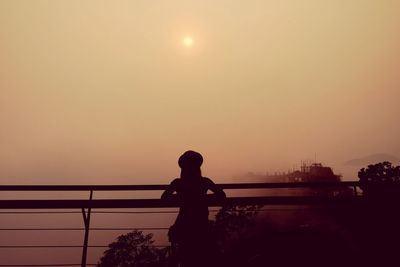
pixel 107 92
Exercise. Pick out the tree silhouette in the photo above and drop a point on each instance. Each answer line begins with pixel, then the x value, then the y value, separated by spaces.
pixel 231 223
pixel 380 179
pixel 378 219
pixel 133 249
pixel 234 225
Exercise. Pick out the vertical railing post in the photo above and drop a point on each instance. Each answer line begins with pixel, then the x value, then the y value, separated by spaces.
pixel 86 220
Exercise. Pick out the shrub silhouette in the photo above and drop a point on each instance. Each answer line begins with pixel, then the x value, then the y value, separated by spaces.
pixel 133 249
pixel 232 223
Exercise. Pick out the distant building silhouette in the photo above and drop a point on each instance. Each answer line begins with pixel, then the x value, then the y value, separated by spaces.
pixel 314 173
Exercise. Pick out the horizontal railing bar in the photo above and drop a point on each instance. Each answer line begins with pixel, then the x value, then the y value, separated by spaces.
pixel 284 185
pixel 81 187
pixel 151 212
pixel 45 265
pixel 65 246
pixel 158 203
pixel 163 186
pixel 82 229
pixel 97 212
pixel 50 246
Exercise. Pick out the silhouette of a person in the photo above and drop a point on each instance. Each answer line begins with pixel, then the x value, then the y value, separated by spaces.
pixel 191 231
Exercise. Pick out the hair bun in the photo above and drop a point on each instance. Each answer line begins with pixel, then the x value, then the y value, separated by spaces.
pixel 190 159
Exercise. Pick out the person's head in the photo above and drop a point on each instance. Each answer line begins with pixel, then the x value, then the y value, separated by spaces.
pixel 190 163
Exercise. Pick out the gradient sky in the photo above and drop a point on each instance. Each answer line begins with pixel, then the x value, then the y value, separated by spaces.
pixel 99 92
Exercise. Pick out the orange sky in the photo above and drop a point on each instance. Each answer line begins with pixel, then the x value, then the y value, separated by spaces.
pixel 100 92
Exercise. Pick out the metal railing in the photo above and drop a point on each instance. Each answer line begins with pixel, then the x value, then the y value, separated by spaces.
pixel 86 206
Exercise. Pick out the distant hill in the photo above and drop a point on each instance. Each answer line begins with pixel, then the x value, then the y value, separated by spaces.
pixel 373 158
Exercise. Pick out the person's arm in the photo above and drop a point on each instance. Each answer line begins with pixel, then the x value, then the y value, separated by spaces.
pixel 169 192
pixel 218 192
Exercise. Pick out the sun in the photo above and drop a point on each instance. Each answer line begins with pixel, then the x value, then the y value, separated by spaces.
pixel 188 41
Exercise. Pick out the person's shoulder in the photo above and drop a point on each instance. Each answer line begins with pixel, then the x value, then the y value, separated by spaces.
pixel 176 181
pixel 207 180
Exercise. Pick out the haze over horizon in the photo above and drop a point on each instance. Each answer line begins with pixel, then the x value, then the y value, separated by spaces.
pixel 94 92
